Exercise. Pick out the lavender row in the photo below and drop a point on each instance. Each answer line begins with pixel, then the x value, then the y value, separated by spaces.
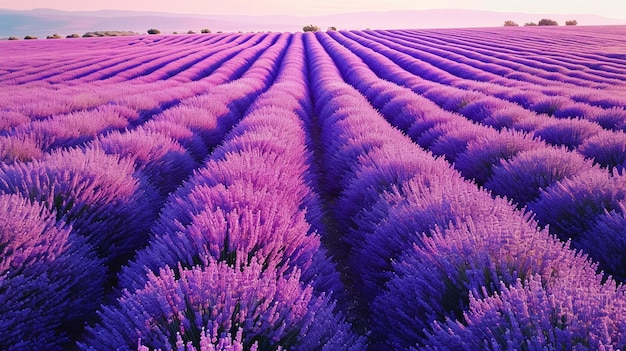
pixel 96 190
pixel 238 226
pixel 43 100
pixel 499 94
pixel 561 54
pixel 523 65
pixel 29 141
pixel 561 100
pixel 104 58
pixel 467 246
pixel 512 164
pixel 588 138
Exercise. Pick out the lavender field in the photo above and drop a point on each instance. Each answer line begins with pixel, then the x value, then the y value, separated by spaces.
pixel 453 189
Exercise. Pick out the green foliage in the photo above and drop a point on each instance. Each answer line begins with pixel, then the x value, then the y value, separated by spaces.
pixel 548 22
pixel 530 24
pixel 311 28
pixel 571 23
pixel 154 31
pixel 28 37
pixel 205 31
pixel 191 32
pixel 114 33
pixel 509 23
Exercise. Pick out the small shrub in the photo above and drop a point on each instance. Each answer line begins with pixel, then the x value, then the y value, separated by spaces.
pixel 571 23
pixel 530 24
pixel 332 28
pixel 311 28
pixel 191 32
pixel 205 31
pixel 74 35
pixel 28 37
pixel 548 22
pixel 510 23
pixel 53 36
pixel 522 177
pixel 154 31
pixel 13 38
pixel 571 206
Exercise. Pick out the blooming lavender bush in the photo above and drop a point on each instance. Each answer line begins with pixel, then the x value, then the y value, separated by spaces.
pixel 487 152
pixel 605 242
pixel 100 195
pixel 435 280
pixel 200 307
pixel 568 133
pixel 51 281
pixel 607 149
pixel 162 159
pixel 571 206
pixel 522 177
pixel 573 313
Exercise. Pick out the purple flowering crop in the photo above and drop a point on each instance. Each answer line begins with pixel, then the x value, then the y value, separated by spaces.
pixel 336 190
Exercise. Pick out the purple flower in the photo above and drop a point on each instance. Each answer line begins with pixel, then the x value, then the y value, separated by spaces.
pixel 486 152
pixel 522 177
pixel 19 148
pixel 607 149
pixel 184 135
pixel 575 312
pixel 254 305
pixel 455 141
pixel 163 160
pixel 605 242
pixel 100 195
pixel 483 108
pixel 569 133
pixel 435 280
pixel 507 117
pixel 571 206
pixel 50 280
pixel 550 104
pixel 613 118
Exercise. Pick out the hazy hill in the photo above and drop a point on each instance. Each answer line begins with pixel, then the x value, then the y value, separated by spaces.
pixel 42 22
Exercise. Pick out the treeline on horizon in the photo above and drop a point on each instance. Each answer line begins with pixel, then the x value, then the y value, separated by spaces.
pixel 307 28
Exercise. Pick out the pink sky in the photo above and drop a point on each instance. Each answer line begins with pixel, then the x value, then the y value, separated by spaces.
pixel 607 8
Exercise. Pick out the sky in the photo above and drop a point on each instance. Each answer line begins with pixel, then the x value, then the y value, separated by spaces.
pixel 606 8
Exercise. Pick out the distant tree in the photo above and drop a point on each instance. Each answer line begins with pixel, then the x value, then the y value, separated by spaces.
pixel 175 33
pixel 53 36
pixel 28 37
pixel 205 31
pixel 13 38
pixel 571 23
pixel 548 22
pixel 311 28
pixel 73 36
pixel 530 24
pixel 191 32
pixel 154 31
pixel 332 28
pixel 509 23
pixel 108 33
